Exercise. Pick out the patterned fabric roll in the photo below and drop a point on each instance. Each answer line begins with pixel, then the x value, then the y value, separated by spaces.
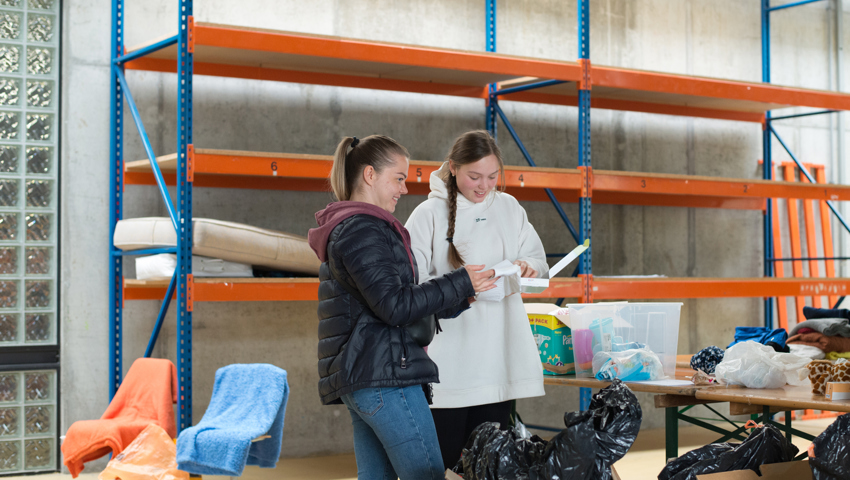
pixel 706 359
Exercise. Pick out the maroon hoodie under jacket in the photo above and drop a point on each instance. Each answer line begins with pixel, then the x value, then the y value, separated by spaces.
pixel 336 212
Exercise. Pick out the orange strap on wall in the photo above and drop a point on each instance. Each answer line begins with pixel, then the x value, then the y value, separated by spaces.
pixel 826 228
pixel 794 229
pixel 811 239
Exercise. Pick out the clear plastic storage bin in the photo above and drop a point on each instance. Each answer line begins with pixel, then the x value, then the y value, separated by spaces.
pixel 612 326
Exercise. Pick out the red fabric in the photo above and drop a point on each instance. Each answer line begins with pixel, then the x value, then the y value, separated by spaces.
pixel 807 330
pixel 146 396
pixel 336 212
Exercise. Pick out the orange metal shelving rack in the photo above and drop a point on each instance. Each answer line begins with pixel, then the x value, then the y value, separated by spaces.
pixel 229 51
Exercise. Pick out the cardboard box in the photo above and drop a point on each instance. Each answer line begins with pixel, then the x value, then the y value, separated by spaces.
pixel 774 471
pixel 838 391
pixel 554 338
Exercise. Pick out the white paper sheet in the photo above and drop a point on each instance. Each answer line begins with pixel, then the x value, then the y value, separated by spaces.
pixel 568 259
pixel 506 284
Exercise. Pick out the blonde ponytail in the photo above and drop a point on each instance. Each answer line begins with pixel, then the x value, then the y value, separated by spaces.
pixel 339 185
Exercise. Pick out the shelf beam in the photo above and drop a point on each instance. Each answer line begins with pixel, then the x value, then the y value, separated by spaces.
pixel 283 289
pixel 294 289
pixel 239 52
pixel 252 170
pixel 675 288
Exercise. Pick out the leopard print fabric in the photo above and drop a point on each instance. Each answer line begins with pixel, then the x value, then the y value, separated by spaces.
pixel 840 372
pixel 820 372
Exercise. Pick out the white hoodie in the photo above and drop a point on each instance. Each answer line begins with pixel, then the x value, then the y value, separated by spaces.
pixel 487 354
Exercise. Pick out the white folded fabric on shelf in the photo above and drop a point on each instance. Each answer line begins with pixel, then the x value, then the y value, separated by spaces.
pixel 229 241
pixel 164 264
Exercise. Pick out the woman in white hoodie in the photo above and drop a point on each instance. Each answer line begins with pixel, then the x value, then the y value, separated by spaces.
pixel 487 355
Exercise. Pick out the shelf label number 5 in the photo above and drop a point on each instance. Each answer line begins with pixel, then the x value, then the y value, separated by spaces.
pixel 419 175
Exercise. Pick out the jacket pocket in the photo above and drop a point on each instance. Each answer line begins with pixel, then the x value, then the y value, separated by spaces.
pixel 368 401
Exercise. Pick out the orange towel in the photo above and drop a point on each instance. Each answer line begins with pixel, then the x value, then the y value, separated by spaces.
pixel 146 396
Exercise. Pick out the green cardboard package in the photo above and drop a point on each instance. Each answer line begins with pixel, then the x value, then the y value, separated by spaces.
pixel 553 336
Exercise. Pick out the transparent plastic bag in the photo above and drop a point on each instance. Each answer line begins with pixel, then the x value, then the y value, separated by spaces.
pixel 754 365
pixel 632 365
pixel 151 456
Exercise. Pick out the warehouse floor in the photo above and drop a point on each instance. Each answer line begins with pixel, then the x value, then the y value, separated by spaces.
pixel 643 462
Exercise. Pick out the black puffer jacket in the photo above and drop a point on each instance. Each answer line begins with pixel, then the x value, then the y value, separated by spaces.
pixel 362 346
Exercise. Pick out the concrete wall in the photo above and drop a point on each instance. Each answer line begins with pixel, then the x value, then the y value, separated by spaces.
pixel 718 38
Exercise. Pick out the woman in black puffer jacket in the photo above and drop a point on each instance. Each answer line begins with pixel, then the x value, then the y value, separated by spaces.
pixel 367 297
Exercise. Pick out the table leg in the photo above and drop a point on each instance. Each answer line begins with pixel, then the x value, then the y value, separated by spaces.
pixel 671 426
pixel 788 426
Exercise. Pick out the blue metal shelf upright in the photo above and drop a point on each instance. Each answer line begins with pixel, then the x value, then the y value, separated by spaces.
pixel 768 133
pixel 493 110
pixel 179 212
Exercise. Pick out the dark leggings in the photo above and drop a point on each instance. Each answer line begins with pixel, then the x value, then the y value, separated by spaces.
pixel 454 425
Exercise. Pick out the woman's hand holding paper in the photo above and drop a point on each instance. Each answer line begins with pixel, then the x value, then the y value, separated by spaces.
pixel 481 280
pixel 525 269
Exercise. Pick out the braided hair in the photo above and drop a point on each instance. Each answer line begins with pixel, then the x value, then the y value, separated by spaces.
pixel 467 149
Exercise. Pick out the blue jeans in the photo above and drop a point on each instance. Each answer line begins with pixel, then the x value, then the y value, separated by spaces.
pixel 394 434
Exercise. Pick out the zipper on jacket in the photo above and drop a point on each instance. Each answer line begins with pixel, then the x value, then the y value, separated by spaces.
pixel 403 349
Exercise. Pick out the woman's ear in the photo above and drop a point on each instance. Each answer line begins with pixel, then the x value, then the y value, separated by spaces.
pixel 369 175
pixel 452 168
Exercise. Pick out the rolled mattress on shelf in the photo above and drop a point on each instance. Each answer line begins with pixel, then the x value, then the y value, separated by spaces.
pixel 229 241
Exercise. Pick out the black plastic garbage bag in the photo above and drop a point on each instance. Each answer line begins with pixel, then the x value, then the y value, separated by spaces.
pixel 592 441
pixel 832 451
pixel 491 453
pixel 765 445
pixel 686 461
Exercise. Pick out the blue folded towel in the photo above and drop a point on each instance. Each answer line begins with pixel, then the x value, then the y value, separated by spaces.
pixel 248 401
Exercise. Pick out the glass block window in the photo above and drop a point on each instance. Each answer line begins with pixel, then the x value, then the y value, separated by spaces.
pixel 29 68
pixel 27 421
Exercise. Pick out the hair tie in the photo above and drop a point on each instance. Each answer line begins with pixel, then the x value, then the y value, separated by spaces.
pixel 355 142
pixel 450 239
